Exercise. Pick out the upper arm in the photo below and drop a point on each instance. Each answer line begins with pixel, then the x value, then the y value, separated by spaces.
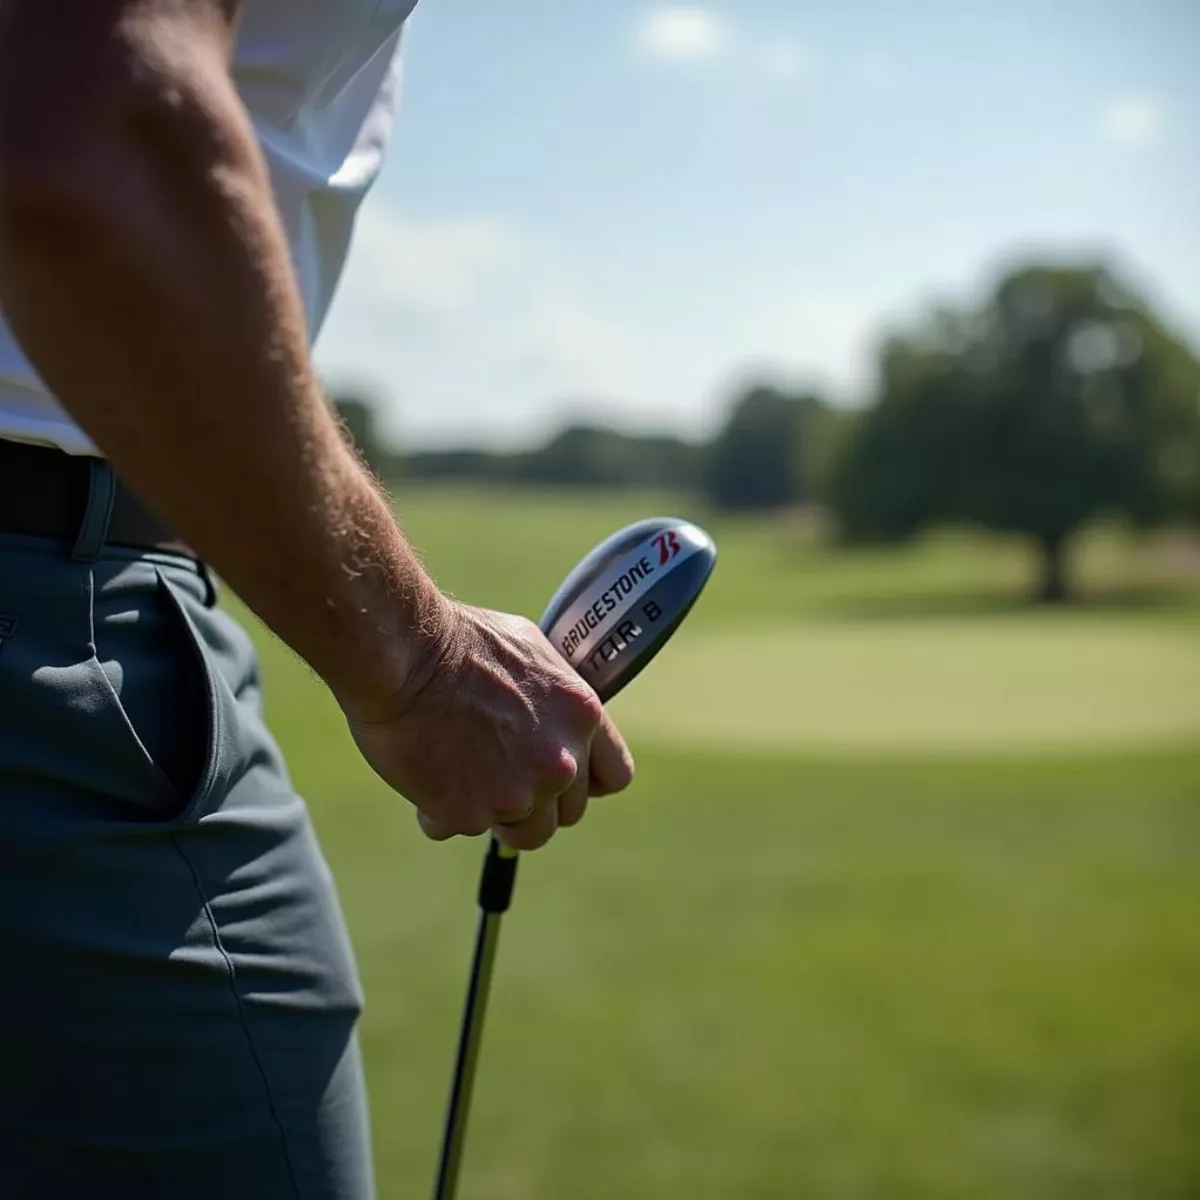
pixel 79 29
pixel 72 66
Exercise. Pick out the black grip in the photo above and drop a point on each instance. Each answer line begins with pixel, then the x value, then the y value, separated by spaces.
pixel 498 878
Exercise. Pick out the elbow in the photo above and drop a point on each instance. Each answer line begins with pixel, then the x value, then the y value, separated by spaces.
pixel 85 116
pixel 52 154
pixel 31 194
pixel 46 213
pixel 116 149
pixel 95 149
pixel 33 205
pixel 91 166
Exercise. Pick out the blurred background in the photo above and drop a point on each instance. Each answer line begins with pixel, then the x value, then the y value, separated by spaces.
pixel 902 302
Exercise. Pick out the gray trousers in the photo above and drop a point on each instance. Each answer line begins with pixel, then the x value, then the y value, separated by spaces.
pixel 178 996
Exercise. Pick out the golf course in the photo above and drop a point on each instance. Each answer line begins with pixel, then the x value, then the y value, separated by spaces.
pixel 904 903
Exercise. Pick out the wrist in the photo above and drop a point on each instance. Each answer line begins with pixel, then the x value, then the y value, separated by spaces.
pixel 409 650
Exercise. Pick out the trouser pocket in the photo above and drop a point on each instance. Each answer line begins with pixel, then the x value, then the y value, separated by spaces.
pixel 155 687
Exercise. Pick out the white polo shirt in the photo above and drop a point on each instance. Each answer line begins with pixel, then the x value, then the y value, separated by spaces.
pixel 319 79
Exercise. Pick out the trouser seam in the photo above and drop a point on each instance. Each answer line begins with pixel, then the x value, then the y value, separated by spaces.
pixel 210 916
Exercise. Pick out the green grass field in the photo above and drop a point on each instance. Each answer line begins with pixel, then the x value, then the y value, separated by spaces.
pixel 905 901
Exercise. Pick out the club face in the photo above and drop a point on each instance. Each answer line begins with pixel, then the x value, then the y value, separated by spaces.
pixel 621 604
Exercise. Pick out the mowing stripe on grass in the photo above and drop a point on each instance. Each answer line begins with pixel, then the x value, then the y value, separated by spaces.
pixel 951 686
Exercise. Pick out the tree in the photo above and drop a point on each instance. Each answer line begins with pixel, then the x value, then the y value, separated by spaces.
pixel 455 464
pixel 579 455
pixel 1062 398
pixel 597 457
pixel 759 460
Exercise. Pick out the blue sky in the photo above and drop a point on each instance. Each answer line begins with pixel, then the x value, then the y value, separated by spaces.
pixel 621 211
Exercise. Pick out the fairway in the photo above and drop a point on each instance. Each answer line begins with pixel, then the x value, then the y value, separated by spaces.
pixel 902 906
pixel 916 687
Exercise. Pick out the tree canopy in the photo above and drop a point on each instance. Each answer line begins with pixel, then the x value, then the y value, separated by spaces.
pixel 764 456
pixel 1062 398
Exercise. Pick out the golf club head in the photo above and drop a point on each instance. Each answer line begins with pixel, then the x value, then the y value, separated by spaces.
pixel 620 605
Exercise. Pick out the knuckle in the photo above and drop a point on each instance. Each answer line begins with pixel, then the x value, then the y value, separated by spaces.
pixel 469 824
pixel 625 772
pixel 529 630
pixel 530 839
pixel 559 767
pixel 435 833
pixel 571 811
pixel 586 705
pixel 512 804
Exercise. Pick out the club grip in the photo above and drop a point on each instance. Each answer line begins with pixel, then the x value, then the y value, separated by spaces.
pixel 498 878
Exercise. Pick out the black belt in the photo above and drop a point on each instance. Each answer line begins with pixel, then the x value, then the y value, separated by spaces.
pixel 44 493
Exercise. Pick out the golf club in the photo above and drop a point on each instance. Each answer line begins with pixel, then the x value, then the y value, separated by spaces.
pixel 611 616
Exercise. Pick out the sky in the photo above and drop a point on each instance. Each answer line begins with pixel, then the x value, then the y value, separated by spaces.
pixel 623 212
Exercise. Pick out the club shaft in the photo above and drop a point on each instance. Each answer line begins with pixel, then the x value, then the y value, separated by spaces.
pixel 495 895
pixel 469 1038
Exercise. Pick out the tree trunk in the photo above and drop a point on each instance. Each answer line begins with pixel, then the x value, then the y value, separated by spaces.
pixel 1053 588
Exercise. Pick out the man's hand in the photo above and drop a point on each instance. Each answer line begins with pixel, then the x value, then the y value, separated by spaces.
pixel 494 731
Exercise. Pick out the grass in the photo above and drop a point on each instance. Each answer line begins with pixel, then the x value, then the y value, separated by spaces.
pixel 510 549
pixel 835 943
pixel 904 686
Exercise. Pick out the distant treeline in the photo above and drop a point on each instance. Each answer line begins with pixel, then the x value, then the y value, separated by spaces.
pixel 580 455
pixel 1061 398
pixel 775 451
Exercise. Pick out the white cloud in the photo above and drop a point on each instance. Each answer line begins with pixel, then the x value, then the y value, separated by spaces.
pixel 434 266
pixel 561 338
pixel 693 34
pixel 824 337
pixel 1132 119
pixel 682 34
pixel 468 328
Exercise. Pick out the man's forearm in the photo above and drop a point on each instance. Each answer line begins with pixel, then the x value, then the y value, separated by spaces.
pixel 144 270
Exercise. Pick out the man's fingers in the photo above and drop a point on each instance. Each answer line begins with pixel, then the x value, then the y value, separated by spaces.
pixel 609 769
pixel 533 832
pixel 611 764
pixel 572 804
pixel 443 829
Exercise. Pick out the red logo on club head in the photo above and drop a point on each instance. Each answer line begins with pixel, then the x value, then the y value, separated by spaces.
pixel 668 546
